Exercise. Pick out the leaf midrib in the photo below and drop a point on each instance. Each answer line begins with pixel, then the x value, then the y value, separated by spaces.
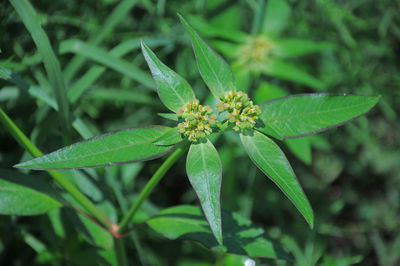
pixel 102 152
pixel 313 113
pixel 207 179
pixel 260 155
pixel 173 89
pixel 210 66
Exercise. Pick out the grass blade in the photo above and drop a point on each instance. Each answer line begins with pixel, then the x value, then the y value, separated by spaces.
pixel 31 21
pixel 96 71
pixel 119 13
pixel 103 57
pixel 40 94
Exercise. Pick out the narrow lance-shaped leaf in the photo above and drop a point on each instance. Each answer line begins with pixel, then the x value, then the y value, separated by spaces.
pixel 240 235
pixel 123 146
pixel 173 90
pixel 204 169
pixel 271 160
pixel 31 20
pixel 106 58
pixel 306 114
pixel 213 69
pixel 24 195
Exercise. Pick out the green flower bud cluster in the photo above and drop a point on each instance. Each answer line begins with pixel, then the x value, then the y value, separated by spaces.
pixel 242 113
pixel 255 52
pixel 196 120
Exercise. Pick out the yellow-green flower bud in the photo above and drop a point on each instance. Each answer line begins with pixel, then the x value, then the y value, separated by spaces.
pixel 196 120
pixel 242 113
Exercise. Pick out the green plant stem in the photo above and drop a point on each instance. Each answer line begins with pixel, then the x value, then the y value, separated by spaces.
pixel 20 137
pixel 258 18
pixel 158 175
pixel 120 252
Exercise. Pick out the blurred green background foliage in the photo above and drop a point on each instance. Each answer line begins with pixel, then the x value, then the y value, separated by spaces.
pixel 350 174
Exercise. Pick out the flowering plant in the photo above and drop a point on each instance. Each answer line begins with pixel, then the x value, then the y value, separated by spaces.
pixel 288 117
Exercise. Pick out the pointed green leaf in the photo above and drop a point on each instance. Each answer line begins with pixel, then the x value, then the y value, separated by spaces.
pixel 204 169
pixel 123 146
pixel 271 160
pixel 284 70
pixel 213 69
pixel 276 17
pixel 25 195
pixel 173 90
pixel 171 137
pixel 287 48
pixel 240 235
pixel 307 114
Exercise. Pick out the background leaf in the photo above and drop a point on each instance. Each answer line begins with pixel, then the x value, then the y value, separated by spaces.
pixel 123 146
pixel 273 163
pixel 25 195
pixel 267 91
pixel 106 58
pixel 281 69
pixel 275 17
pixel 92 232
pixel 204 169
pixel 213 69
pixel 173 90
pixel 31 21
pixel 95 72
pixel 106 28
pixel 287 48
pixel 300 147
pixel 306 114
pixel 240 235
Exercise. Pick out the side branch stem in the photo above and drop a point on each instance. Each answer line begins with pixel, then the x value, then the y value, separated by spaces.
pixel 154 180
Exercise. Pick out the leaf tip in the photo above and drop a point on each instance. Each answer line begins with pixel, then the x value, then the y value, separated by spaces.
pixel 144 47
pixel 179 16
pixel 21 165
pixel 219 239
pixel 310 220
pixel 183 21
